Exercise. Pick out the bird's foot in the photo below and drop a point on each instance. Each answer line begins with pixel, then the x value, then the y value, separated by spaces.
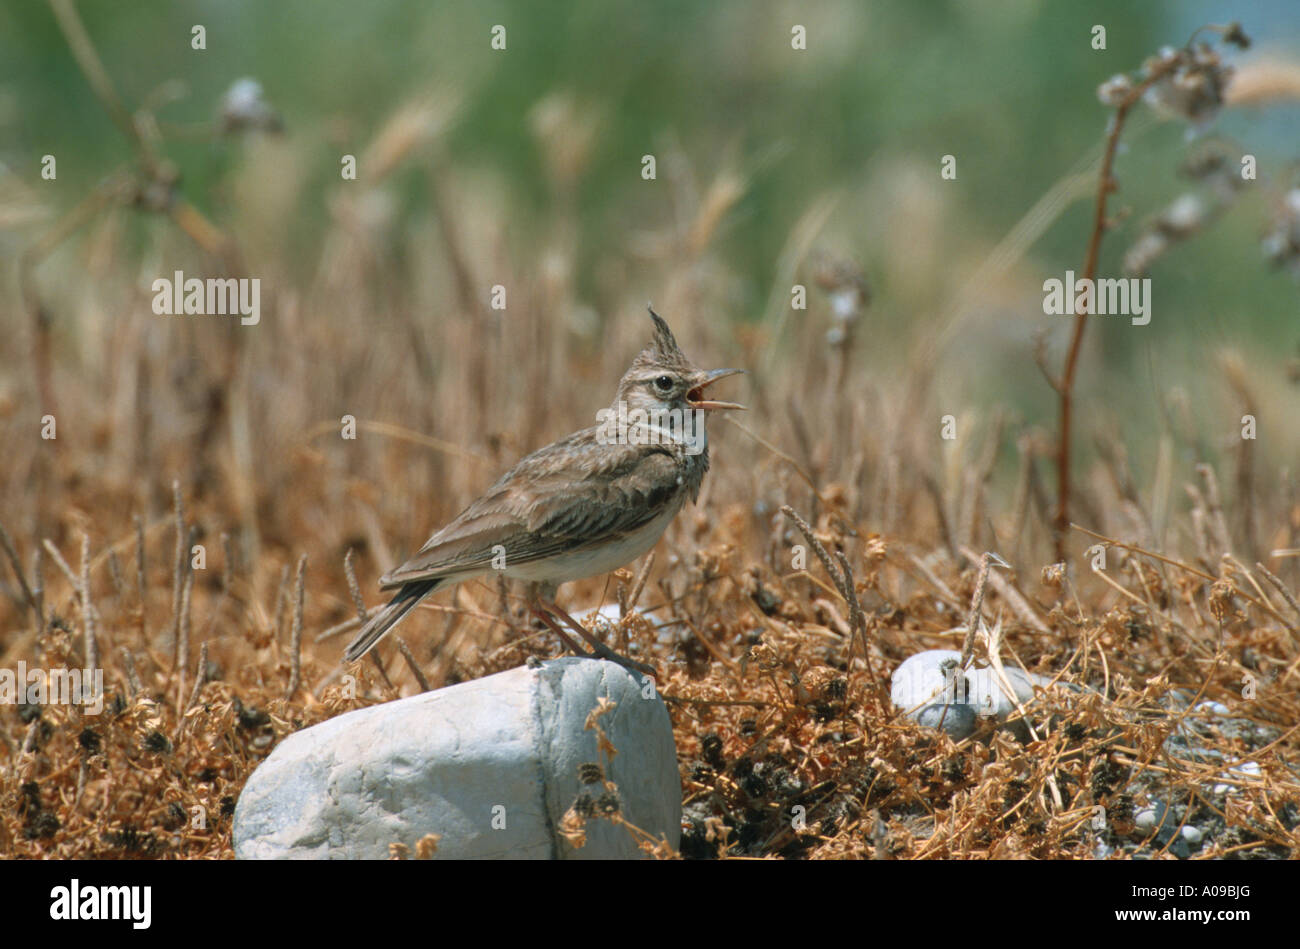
pixel 598 649
pixel 601 651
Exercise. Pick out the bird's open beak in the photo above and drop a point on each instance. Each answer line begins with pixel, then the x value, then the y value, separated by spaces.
pixel 695 397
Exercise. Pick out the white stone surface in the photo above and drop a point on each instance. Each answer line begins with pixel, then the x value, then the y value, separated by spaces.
pixel 505 747
pixel 927 695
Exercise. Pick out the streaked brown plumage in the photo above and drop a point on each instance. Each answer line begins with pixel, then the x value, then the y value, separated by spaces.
pixel 579 507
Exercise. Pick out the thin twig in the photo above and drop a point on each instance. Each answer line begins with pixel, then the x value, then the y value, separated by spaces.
pixel 383 673
pixel 1019 604
pixel 1214 507
pixel 338 630
pixel 115 572
pixel 818 549
pixel 139 574
pixel 200 676
pixel 639 583
pixel 132 677
pixel 87 608
pixel 295 644
pixel 976 616
pixel 1105 185
pixel 183 638
pixel 414 666
pixel 858 619
pixel 354 587
pixel 281 601
pixel 38 587
pixel 178 565
pixel 844 584
pixel 1281 587
pixel 63 565
pixel 83 50
pixel 18 569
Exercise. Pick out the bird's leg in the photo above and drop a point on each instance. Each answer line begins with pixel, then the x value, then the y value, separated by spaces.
pixel 554 627
pixel 601 649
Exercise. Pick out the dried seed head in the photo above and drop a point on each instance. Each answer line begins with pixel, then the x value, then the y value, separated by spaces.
pixel 1183 217
pixel 765 656
pixel 1191 83
pixel 573 827
pixel 1146 250
pixel 244 107
pixel 844 282
pixel 1281 242
pixel 711 749
pixel 1113 90
pixel 608 804
pixel 585 805
pixel 427 846
pixel 1235 35
pixel 1220 600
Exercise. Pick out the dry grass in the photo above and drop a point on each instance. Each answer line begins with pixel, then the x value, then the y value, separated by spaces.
pixel 771 701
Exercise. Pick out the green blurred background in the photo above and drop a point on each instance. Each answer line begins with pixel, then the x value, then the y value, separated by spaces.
pixel 862 116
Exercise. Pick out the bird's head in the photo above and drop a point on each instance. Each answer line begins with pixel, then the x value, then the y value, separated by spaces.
pixel 663 379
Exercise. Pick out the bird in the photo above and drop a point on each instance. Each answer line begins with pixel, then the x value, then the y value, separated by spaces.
pixel 580 507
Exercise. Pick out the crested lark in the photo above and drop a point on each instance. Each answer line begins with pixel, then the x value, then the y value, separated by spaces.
pixel 582 506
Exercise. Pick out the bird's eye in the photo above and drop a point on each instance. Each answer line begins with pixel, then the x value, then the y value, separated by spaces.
pixel 664 383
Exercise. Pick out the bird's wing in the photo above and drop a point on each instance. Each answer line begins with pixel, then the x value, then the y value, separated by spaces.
pixel 562 495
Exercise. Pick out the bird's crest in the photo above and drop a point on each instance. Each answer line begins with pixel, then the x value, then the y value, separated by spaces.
pixel 663 352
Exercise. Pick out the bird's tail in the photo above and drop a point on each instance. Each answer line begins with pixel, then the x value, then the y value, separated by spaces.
pixel 378 625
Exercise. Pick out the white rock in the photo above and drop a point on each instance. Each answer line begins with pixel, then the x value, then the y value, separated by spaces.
pixel 1247 771
pixel 925 689
pixel 1215 708
pixel 490 765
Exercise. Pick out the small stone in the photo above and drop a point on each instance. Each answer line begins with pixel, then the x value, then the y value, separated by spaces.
pixel 957 720
pixel 1215 708
pixel 926 684
pixel 1246 771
